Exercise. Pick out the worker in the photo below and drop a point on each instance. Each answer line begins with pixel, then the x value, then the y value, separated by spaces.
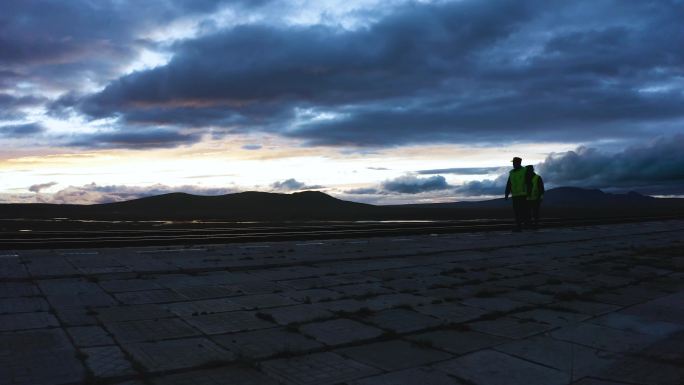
pixel 535 194
pixel 517 189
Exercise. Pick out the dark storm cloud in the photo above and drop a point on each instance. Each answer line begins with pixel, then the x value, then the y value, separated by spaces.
pixel 60 44
pixel 486 187
pixel 414 49
pixel 21 130
pixel 12 107
pixel 466 71
pixel 409 184
pixel 460 171
pixel 362 191
pixel 36 188
pixel 140 139
pixel 293 185
pixel 251 147
pixel 655 168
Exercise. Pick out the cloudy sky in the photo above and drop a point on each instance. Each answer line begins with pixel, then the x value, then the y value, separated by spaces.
pixel 382 101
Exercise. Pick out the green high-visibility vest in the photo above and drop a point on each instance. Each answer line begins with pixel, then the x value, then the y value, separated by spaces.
pixel 535 194
pixel 517 177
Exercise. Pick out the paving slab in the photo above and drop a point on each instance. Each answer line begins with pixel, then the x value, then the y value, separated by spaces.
pixel 150 330
pixel 132 313
pixel 41 367
pixel 585 307
pixel 402 320
pixel 107 361
pixel 314 295
pixel 262 301
pixel 636 370
pixel 488 367
pixel 604 338
pixel 394 355
pixel 575 360
pixel 554 318
pixel 494 303
pixel 230 322
pixel 297 314
pixel 206 292
pixel 220 376
pixel 23 305
pixel 637 324
pixel 456 341
pixel 167 355
pixel 24 321
pixel 317 369
pixel 124 285
pixel 510 327
pixel 200 307
pixel 150 296
pixel 266 343
pixel 87 336
pixel 413 376
pixel 33 341
pixel 340 331
pixel 18 289
pixel 451 312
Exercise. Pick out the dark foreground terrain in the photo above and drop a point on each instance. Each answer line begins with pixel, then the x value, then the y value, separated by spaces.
pixel 577 305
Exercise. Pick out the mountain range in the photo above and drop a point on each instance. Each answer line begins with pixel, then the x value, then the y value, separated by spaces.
pixel 314 205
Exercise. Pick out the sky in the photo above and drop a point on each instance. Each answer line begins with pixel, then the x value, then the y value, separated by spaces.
pixel 378 101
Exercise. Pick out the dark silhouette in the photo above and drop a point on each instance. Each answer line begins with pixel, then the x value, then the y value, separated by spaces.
pixel 517 189
pixel 535 194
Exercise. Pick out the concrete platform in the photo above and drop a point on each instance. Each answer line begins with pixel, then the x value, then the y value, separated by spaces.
pixel 585 305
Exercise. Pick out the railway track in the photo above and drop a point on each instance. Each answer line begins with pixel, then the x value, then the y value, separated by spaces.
pixel 53 239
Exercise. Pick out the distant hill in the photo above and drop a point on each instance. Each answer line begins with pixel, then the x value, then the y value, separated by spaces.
pixel 570 197
pixel 313 205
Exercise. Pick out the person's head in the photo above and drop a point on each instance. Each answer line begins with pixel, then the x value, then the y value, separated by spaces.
pixel 530 169
pixel 517 162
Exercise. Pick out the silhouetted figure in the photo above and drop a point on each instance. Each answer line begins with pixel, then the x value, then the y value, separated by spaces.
pixel 517 189
pixel 535 194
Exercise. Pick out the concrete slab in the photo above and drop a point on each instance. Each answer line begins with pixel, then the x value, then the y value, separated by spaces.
pixel 297 314
pixel 131 313
pixel 220 376
pixel 510 327
pixel 402 320
pixel 604 338
pixel 637 324
pixel 394 355
pixel 24 321
pixel 220 323
pixel 495 368
pixel 266 343
pixel 457 342
pixel 150 330
pixel 184 353
pixel 574 360
pixel 413 376
pixel 317 369
pixel 340 331
pixel 23 305
pixel 202 307
pixel 494 304
pixel 107 361
pixel 451 312
pixel 87 336
pixel 554 318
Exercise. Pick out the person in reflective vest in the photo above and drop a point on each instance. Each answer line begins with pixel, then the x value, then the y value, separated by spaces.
pixel 535 193
pixel 517 189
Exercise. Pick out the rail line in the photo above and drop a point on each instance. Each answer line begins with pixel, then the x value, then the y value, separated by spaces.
pixel 54 239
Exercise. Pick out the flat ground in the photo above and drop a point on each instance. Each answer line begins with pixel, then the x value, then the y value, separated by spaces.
pixel 589 305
